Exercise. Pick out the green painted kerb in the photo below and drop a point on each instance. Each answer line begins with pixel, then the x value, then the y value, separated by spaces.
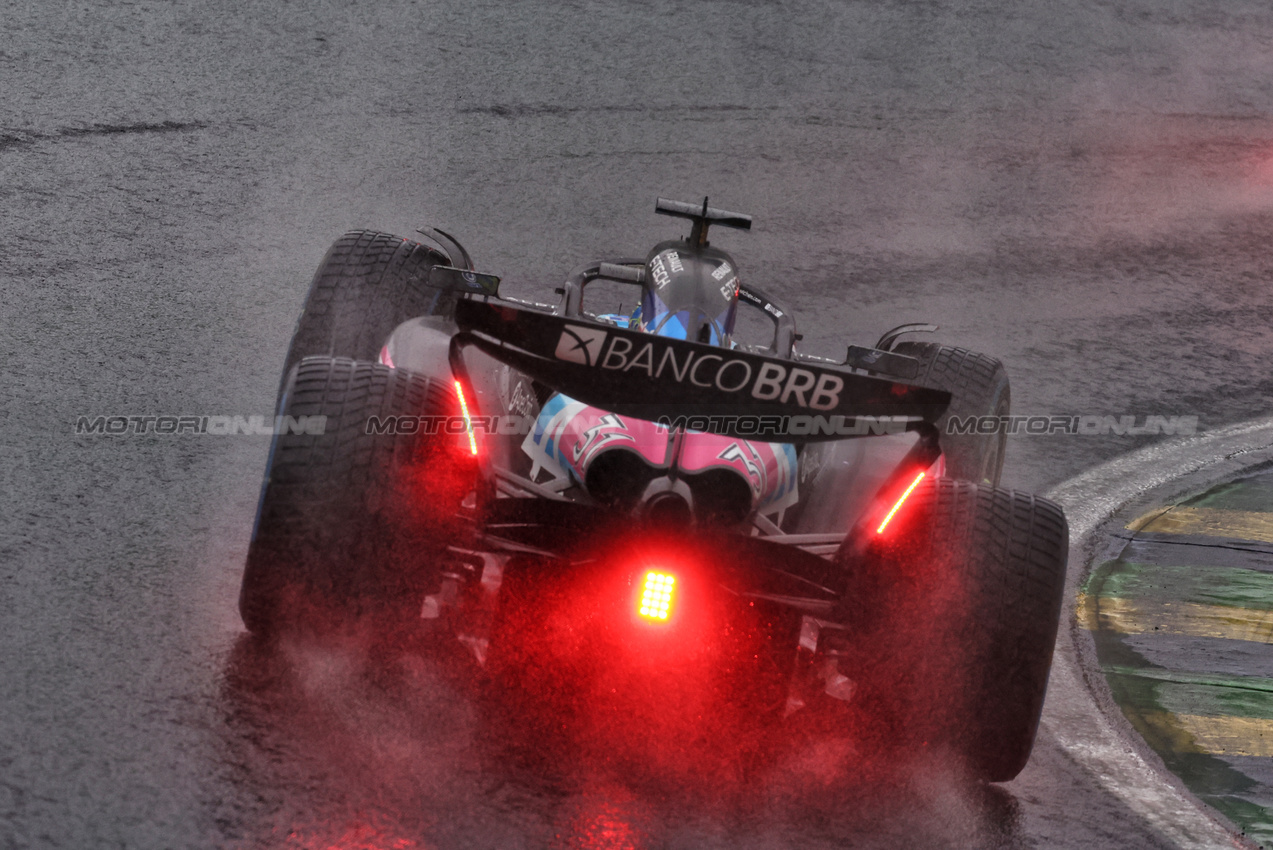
pixel 1213 729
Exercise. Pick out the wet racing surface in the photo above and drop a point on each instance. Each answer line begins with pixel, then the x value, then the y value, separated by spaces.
pixel 1081 190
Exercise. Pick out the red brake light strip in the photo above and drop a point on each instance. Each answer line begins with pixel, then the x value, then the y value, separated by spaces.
pixel 898 504
pixel 468 422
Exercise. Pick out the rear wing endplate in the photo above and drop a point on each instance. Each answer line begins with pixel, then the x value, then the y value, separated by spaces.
pixel 463 281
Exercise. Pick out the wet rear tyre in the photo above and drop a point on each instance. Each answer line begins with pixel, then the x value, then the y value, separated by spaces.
pixel 979 386
pixel 367 284
pixel 956 613
pixel 350 522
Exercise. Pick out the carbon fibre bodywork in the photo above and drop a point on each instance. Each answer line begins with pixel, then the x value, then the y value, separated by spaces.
pixel 592 437
pixel 647 500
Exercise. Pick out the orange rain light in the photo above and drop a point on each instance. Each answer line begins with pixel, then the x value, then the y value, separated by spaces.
pixel 898 504
pixel 468 421
pixel 656 596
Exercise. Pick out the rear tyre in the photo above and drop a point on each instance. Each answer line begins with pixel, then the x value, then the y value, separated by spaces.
pixel 955 614
pixel 351 523
pixel 367 285
pixel 978 385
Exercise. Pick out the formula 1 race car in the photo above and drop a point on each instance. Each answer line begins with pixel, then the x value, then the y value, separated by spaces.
pixel 644 516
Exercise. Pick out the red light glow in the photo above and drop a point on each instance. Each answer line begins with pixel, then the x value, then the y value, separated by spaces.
pixel 468 422
pixel 656 596
pixel 898 504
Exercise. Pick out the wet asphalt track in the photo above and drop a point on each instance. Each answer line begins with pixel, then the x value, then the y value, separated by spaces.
pixel 1084 190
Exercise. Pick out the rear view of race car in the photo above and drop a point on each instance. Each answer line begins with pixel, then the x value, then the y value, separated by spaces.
pixel 645 522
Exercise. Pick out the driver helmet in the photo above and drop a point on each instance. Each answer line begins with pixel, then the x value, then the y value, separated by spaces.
pixel 690 294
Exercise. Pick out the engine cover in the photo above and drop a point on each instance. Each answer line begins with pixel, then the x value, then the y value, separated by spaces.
pixel 616 459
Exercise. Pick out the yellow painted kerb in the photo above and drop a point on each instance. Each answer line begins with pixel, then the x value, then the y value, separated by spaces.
pixel 1217 736
pixel 1230 736
pixel 1134 617
pixel 1212 522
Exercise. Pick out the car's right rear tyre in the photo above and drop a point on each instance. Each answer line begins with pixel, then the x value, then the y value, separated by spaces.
pixel 954 613
pixel 978 385
pixel 352 522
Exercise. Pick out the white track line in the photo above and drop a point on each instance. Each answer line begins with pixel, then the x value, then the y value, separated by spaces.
pixel 1072 714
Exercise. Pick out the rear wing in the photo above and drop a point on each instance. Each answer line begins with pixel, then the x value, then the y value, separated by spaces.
pixel 691 385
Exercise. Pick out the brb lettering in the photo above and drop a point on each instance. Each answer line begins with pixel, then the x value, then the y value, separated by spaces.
pixel 656 359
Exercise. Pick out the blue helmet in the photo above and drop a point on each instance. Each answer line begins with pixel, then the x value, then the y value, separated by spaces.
pixel 690 294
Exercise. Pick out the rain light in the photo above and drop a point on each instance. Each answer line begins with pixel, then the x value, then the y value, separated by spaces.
pixel 656 596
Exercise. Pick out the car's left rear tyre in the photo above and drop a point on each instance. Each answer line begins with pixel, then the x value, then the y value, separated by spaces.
pixel 954 613
pixel 366 285
pixel 351 520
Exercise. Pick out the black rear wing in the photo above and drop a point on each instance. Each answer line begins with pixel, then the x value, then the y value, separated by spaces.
pixel 691 385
